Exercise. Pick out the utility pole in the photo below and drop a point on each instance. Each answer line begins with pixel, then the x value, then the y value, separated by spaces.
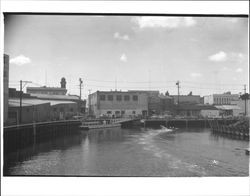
pixel 20 109
pixel 89 102
pixel 80 80
pixel 178 87
pixel 245 95
pixel 21 96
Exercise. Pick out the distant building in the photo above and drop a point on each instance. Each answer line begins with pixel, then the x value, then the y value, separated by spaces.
pixel 191 99
pixel 228 110
pixel 81 104
pixel 220 99
pixel 166 104
pixel 242 106
pixel 118 103
pixel 198 110
pixel 33 110
pixel 49 90
pixel 153 100
pixel 6 86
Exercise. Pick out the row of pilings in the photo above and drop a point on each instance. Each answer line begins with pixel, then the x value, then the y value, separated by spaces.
pixel 238 129
pixel 20 136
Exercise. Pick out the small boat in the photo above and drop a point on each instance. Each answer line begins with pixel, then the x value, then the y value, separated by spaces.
pixel 89 126
pixel 165 128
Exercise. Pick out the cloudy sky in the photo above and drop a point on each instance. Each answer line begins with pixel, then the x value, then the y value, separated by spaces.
pixel 206 54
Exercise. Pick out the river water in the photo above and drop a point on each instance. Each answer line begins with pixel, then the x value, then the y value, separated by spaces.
pixel 133 152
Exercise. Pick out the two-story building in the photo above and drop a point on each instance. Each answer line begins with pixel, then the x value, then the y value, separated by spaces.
pixel 221 99
pixel 118 103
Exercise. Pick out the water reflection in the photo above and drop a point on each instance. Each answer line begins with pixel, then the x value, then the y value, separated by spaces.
pixel 133 152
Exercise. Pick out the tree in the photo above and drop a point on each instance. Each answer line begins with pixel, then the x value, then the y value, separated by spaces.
pixel 244 96
pixel 167 93
pixel 190 93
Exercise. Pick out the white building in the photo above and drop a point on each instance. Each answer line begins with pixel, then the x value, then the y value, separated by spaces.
pixel 220 99
pixel 210 113
pixel 118 103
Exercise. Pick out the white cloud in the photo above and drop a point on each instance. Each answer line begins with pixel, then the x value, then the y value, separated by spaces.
pixel 117 35
pixel 218 57
pixel 20 60
pixel 239 70
pixel 196 75
pixel 165 22
pixel 123 58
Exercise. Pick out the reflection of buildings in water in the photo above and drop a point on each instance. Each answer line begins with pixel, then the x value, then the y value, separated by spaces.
pixel 51 146
pixel 105 135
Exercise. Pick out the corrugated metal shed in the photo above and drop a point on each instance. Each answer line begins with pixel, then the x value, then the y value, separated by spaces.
pixel 63 97
pixel 31 102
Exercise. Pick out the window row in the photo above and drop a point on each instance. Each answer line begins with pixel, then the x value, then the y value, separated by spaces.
pixel 222 100
pixel 119 112
pixel 118 97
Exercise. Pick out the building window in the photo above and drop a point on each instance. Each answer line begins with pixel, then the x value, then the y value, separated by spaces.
pixel 135 98
pixel 109 112
pixel 110 97
pixel 118 97
pixel 133 112
pixel 102 97
pixel 117 112
pixel 61 109
pixel 71 110
pixel 123 112
pixel 126 98
pixel 27 109
pixel 54 109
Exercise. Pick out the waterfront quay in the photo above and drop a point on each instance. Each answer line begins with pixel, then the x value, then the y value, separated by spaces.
pixel 20 136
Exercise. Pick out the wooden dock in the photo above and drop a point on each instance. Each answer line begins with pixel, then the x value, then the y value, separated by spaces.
pixel 99 126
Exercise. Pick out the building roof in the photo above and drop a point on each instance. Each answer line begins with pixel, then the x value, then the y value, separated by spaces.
pixel 56 97
pixel 56 102
pixel 32 102
pixel 44 88
pixel 15 102
pixel 123 92
pixel 196 107
pixel 184 95
pixel 228 107
pixel 165 96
